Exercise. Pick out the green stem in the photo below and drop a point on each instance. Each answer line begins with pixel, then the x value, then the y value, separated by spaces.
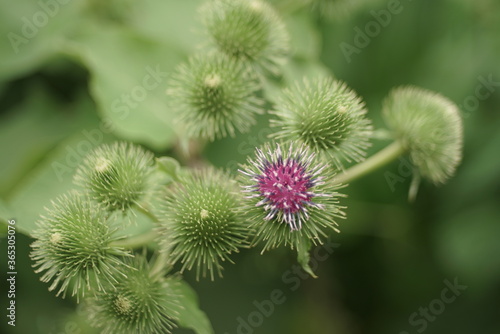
pixel 147 212
pixel 140 240
pixel 136 241
pixel 374 162
pixel 161 263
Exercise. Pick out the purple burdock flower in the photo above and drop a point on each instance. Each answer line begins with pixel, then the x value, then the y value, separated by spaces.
pixel 284 185
pixel 289 186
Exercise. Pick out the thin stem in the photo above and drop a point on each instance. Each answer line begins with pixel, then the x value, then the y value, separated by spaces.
pixel 374 162
pixel 147 212
pixel 140 240
pixel 161 263
pixel 136 241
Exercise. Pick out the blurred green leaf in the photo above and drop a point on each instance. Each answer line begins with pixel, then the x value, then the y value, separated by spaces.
pixel 51 178
pixel 129 75
pixel 42 161
pixel 171 22
pixel 168 166
pixel 35 127
pixel 4 217
pixel 190 315
pixel 33 32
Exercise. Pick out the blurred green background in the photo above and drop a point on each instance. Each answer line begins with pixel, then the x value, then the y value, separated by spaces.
pixel 66 65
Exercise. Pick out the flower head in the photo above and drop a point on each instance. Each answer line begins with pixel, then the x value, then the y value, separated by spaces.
pixel 327 116
pixel 116 175
pixel 215 96
pixel 430 127
pixel 201 221
pixel 142 302
pixel 290 194
pixel 248 30
pixel 72 246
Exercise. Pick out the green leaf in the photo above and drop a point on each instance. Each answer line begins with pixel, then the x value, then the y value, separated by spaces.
pixel 129 75
pixel 171 22
pixel 303 256
pixel 168 166
pixel 49 143
pixel 32 33
pixel 190 315
pixel 51 178
pixel 33 128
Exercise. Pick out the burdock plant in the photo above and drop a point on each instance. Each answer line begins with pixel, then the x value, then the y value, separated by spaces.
pixel 73 247
pixel 327 116
pixel 202 222
pixel 143 301
pixel 429 126
pixel 248 30
pixel 288 193
pixel 215 96
pixel 291 195
pixel 116 176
